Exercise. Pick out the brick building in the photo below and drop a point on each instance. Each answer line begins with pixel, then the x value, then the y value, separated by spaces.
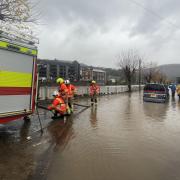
pixel 88 73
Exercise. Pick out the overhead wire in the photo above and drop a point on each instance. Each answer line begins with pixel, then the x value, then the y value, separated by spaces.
pixel 154 13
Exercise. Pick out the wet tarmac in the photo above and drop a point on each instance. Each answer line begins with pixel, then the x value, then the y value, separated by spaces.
pixel 121 137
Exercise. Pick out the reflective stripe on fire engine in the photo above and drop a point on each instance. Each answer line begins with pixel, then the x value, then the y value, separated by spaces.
pixel 15 79
pixel 21 49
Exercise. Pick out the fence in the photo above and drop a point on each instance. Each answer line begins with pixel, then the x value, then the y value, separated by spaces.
pixel 45 92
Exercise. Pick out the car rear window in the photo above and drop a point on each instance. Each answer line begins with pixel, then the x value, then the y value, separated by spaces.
pixel 154 87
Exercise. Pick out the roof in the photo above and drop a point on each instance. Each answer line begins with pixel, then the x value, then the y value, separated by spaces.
pixel 56 61
pixel 98 70
pixel 14 34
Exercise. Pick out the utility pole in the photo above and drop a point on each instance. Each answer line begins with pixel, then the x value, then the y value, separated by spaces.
pixel 140 74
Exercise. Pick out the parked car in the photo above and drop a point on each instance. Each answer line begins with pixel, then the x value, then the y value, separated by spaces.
pixel 154 92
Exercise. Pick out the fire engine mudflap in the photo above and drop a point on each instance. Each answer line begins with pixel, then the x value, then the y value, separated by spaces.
pixel 17 77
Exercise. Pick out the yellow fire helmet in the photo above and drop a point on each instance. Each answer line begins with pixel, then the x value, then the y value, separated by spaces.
pixel 60 80
pixel 93 82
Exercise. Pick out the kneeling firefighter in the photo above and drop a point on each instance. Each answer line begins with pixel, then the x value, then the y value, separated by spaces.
pixel 58 105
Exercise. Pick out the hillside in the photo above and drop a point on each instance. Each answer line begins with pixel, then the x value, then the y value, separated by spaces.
pixel 171 70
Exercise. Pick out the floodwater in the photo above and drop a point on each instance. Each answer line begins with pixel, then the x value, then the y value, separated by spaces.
pixel 121 137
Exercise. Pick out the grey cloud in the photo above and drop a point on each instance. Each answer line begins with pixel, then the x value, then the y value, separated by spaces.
pixel 90 11
pixel 154 13
pixel 95 31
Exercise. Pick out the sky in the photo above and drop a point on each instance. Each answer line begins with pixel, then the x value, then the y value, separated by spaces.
pixel 95 32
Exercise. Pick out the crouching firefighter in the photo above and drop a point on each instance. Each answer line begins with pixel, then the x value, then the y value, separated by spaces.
pixel 58 106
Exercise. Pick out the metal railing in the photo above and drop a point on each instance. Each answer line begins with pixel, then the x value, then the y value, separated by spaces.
pixel 45 92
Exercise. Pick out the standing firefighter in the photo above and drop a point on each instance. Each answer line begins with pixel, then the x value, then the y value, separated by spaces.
pixel 71 89
pixel 63 90
pixel 58 105
pixel 94 91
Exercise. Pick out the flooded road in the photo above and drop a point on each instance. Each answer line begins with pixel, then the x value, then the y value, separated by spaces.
pixel 121 137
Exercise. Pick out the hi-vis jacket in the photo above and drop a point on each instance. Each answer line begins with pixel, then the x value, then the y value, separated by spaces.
pixel 63 89
pixel 94 89
pixel 71 88
pixel 58 105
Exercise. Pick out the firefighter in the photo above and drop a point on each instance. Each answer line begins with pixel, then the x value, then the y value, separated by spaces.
pixel 58 105
pixel 62 88
pixel 71 90
pixel 94 91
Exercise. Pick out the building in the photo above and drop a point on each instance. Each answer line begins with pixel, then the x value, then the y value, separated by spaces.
pixel 89 73
pixel 50 70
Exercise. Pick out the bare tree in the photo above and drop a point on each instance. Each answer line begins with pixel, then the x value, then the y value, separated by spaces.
pixel 153 74
pixel 160 77
pixel 128 61
pixel 150 71
pixel 19 16
pixel 17 11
